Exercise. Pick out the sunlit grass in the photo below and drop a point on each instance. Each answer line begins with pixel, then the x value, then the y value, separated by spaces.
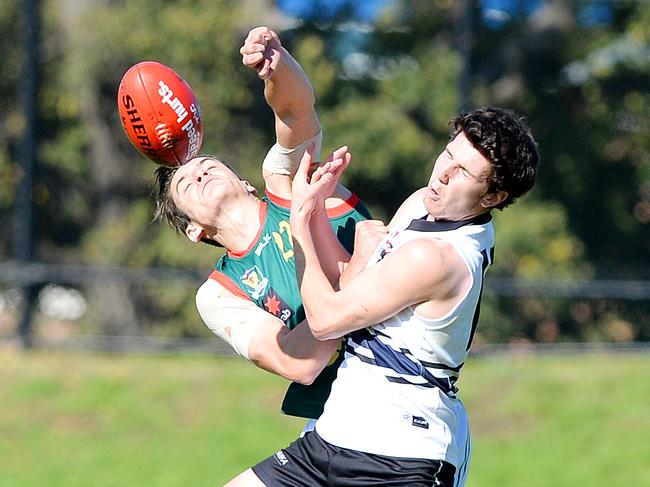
pixel 76 419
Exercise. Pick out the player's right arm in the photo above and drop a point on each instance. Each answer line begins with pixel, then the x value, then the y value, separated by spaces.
pixel 289 93
pixel 261 337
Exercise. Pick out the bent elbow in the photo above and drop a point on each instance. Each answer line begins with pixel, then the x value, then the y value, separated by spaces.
pixel 321 334
pixel 306 379
pixel 305 375
pixel 322 329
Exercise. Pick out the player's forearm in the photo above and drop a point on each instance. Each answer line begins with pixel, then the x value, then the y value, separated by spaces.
pixel 331 254
pixel 288 91
pixel 318 295
pixel 293 354
pixel 303 356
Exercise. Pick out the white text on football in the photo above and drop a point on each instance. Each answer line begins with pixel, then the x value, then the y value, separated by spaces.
pixel 193 138
pixel 166 97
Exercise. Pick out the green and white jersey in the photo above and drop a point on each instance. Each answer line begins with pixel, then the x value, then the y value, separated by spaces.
pixel 265 274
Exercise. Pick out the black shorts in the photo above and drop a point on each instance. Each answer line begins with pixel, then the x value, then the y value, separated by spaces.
pixel 310 462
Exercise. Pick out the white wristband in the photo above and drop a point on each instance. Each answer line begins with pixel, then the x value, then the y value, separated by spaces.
pixel 280 160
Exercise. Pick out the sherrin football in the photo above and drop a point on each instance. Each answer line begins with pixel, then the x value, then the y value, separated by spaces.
pixel 160 114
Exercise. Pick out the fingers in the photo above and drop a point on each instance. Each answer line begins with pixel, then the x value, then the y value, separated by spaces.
pixel 340 152
pixel 331 166
pixel 258 51
pixel 370 228
pixel 264 69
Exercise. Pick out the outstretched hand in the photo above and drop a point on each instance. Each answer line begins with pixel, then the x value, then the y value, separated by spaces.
pixel 310 192
pixel 262 51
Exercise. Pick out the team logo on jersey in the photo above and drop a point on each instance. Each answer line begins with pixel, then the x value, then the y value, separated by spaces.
pixel 260 246
pixel 420 422
pixel 281 458
pixel 417 421
pixel 276 306
pixel 256 281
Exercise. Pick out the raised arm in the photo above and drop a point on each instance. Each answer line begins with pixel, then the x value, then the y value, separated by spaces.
pixel 332 256
pixel 289 93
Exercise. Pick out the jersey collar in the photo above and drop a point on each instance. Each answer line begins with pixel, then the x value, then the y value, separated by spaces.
pixel 424 225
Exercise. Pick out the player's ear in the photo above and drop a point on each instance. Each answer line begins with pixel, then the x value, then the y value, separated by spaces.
pixel 251 189
pixel 194 232
pixel 490 200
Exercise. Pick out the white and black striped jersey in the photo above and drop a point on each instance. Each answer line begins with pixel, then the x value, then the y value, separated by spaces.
pixel 395 393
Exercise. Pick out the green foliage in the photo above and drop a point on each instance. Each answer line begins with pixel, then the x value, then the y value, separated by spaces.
pixel 535 243
pixel 425 86
pixel 12 120
pixel 382 173
pixel 583 90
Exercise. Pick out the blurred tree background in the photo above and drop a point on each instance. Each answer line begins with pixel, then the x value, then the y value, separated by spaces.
pixel 388 76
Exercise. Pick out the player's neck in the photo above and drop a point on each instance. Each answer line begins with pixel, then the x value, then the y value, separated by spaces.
pixel 239 224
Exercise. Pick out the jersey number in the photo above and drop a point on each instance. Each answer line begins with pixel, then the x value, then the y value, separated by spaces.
pixel 279 240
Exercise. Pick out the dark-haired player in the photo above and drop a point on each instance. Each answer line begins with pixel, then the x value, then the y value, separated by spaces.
pixel 393 416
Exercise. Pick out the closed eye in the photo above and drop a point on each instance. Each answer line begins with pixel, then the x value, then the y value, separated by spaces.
pixel 178 184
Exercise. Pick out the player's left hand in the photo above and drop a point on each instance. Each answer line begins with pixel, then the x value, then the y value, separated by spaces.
pixel 262 51
pixel 309 192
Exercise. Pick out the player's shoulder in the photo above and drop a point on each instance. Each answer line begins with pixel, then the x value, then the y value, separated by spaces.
pixel 208 291
pixel 212 290
pixel 433 260
pixel 423 249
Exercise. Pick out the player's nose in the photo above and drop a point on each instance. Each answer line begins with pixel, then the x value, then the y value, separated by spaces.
pixel 199 172
pixel 443 177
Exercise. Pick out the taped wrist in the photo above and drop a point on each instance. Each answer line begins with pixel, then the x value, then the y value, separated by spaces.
pixel 280 160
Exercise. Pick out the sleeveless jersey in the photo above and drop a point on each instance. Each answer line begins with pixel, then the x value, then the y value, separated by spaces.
pixel 395 393
pixel 265 273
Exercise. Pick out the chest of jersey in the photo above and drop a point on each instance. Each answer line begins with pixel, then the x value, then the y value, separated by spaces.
pixel 266 271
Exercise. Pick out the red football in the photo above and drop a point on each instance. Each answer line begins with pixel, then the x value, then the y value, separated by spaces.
pixel 160 114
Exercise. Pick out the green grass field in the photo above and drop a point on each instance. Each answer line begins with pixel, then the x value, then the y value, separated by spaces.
pixel 76 419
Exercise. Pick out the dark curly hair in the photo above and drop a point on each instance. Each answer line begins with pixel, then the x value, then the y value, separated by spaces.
pixel 502 137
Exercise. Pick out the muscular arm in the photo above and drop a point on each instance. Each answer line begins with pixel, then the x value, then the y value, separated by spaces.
pixel 290 95
pixel 261 337
pixel 421 272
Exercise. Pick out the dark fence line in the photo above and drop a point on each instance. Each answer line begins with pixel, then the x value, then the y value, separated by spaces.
pixel 216 346
pixel 26 274
pixel 568 348
pixel 635 290
pixel 19 274
pixel 128 344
